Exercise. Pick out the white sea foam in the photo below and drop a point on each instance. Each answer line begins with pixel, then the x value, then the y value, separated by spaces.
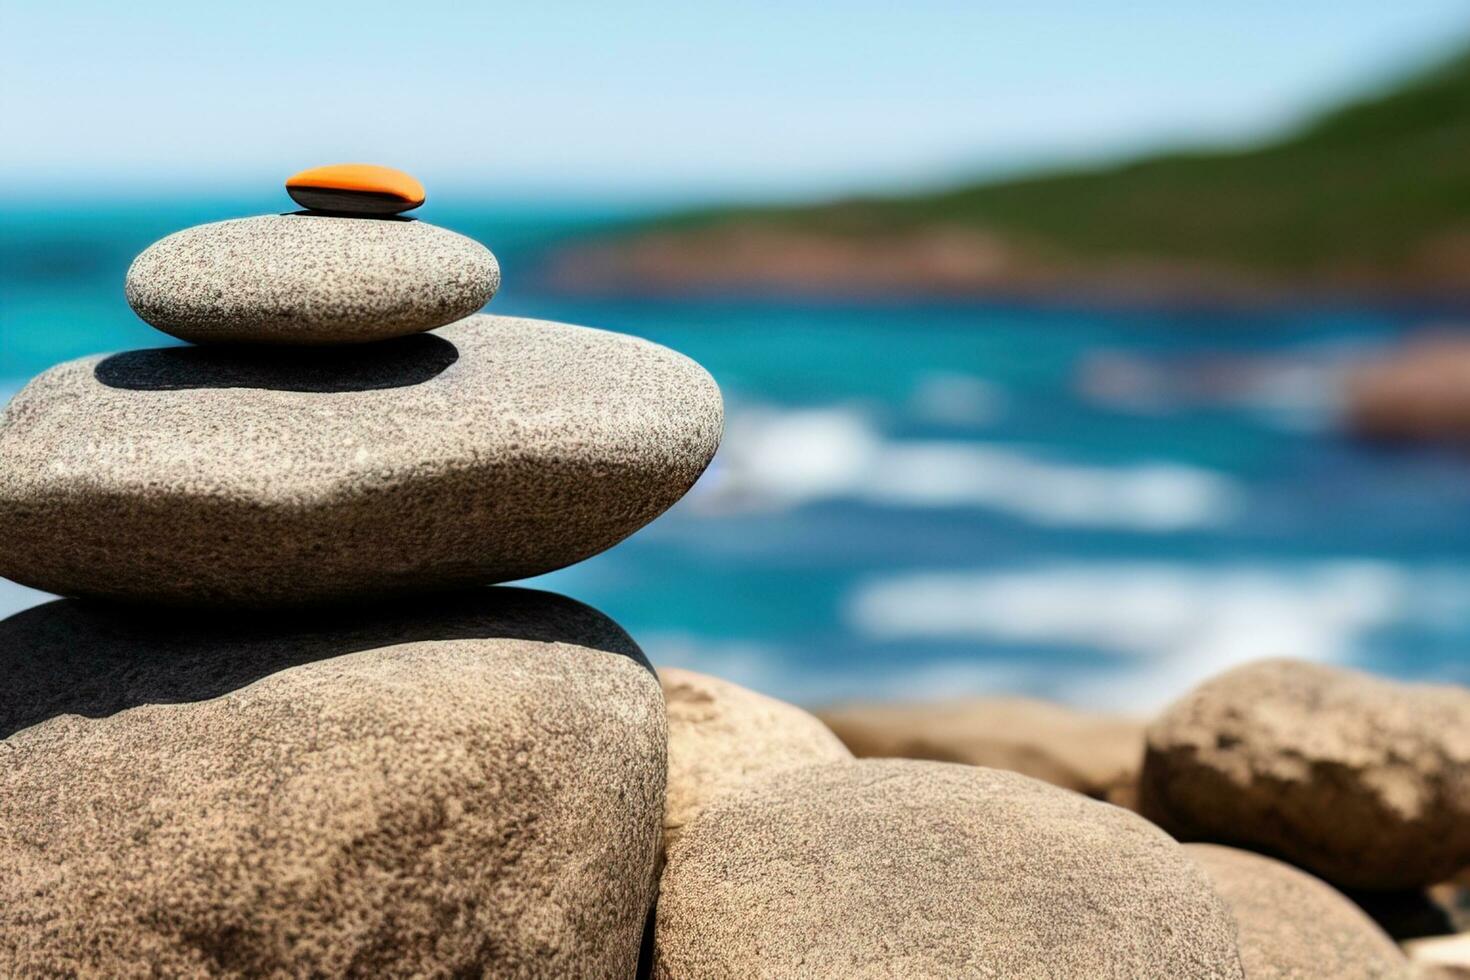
pixel 1178 624
pixel 800 679
pixel 1157 629
pixel 1299 393
pixel 775 459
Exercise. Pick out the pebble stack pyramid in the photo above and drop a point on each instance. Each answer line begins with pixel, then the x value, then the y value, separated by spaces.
pixel 284 726
pixel 347 426
pixel 281 727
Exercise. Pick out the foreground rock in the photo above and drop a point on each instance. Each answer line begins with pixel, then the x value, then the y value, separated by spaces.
pixel 1095 754
pixel 723 736
pixel 309 279
pixel 1363 781
pixel 489 450
pixel 1290 925
pixel 470 787
pixel 898 868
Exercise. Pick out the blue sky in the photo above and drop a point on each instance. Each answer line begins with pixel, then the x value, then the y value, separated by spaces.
pixel 639 99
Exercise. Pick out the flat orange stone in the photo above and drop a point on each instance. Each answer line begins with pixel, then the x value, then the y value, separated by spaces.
pixel 355 188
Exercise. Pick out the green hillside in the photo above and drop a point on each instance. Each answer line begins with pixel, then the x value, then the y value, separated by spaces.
pixel 1366 188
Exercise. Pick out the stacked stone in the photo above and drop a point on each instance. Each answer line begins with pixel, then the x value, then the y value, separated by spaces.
pixel 297 736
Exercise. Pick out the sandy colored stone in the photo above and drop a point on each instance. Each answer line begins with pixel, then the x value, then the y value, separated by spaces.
pixel 1363 781
pixel 1292 926
pixel 1419 392
pixel 489 450
pixel 1440 957
pixel 903 868
pixel 470 785
pixel 723 736
pixel 309 279
pixel 1095 754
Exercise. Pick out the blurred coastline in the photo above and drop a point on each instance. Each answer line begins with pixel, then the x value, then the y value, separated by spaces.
pixel 922 497
pixel 1364 202
pixel 1090 435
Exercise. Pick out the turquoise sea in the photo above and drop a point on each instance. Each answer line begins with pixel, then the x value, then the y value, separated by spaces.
pixel 928 499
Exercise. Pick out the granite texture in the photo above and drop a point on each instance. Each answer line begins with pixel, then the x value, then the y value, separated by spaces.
pixel 466 786
pixel 1095 754
pixel 902 868
pixel 1291 926
pixel 309 279
pixel 1363 781
pixel 495 449
pixel 723 736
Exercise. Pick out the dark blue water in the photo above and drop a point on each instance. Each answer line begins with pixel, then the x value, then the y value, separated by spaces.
pixel 930 499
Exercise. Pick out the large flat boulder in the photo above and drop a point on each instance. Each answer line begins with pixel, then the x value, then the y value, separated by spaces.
pixel 469 786
pixel 1292 926
pixel 902 868
pixel 490 450
pixel 1363 781
pixel 1092 753
pixel 723 736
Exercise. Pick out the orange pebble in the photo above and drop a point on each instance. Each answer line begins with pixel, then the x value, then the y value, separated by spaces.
pixel 355 188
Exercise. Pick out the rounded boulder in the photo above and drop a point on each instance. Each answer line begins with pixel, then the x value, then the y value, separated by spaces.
pixel 467 786
pixel 490 450
pixel 1362 781
pixel 309 279
pixel 1095 754
pixel 723 736
pixel 1292 926
pixel 901 868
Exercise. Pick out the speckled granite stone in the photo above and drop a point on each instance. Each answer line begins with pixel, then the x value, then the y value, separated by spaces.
pixel 1291 926
pixel 1361 780
pixel 466 785
pixel 900 868
pixel 1092 753
pixel 501 448
pixel 723 736
pixel 309 279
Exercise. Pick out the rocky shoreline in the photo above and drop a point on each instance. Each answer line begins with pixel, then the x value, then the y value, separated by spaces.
pixel 957 263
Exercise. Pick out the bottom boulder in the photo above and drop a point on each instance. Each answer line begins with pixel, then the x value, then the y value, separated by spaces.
pixel 465 786
pixel 1292 926
pixel 899 868
pixel 722 736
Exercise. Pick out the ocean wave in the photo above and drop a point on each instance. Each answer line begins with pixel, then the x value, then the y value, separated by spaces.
pixel 786 674
pixel 1177 624
pixel 1300 392
pixel 1156 629
pixel 774 459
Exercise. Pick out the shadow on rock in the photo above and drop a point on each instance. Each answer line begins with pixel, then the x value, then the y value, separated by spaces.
pixel 79 658
pixel 398 363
